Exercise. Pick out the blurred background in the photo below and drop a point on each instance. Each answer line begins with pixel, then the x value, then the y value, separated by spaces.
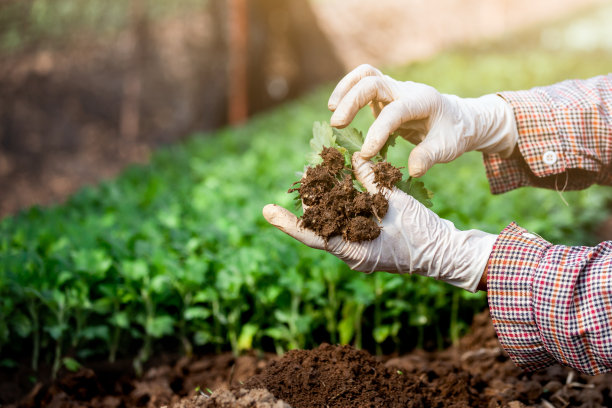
pixel 88 86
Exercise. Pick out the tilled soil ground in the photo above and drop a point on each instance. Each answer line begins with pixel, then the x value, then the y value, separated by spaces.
pixel 474 373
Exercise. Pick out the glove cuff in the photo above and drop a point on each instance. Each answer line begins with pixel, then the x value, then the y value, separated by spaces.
pixel 469 256
pixel 495 128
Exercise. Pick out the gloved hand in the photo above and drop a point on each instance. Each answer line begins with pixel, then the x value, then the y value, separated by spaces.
pixel 443 126
pixel 413 239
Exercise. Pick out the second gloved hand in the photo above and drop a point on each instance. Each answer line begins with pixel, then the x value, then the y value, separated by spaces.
pixel 413 239
pixel 443 126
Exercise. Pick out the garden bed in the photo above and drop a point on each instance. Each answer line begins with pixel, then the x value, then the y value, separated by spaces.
pixel 474 372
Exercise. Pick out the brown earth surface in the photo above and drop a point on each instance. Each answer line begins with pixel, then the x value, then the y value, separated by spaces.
pixel 475 372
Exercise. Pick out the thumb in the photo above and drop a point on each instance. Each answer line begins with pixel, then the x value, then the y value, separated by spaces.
pixel 421 159
pixel 285 221
pixel 365 175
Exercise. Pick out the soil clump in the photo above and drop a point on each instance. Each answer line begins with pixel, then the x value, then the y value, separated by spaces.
pixel 385 175
pixel 239 398
pixel 332 204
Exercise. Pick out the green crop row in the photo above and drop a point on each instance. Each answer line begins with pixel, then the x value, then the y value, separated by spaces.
pixel 176 253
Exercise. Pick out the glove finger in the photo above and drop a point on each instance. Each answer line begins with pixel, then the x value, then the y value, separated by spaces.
pixel 364 174
pixel 388 121
pixel 376 108
pixel 421 159
pixel 287 222
pixel 368 89
pixel 348 82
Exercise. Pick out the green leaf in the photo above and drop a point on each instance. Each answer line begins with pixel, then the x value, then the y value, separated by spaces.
pixel 96 332
pixel 322 136
pixel 381 333
pixel 202 337
pixel 160 326
pixel 160 284
pixel 55 331
pixel 71 364
pixel 277 333
pixel 93 261
pixel 416 189
pixel 390 142
pixel 120 319
pixel 8 363
pixel 21 324
pixel 245 340
pixel 197 312
pixel 346 327
pixel 135 270
pixel 349 138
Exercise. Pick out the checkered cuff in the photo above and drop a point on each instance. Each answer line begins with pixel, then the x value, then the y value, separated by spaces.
pixel 561 127
pixel 510 273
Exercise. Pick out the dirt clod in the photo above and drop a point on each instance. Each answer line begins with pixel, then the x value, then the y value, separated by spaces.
pixel 385 175
pixel 361 229
pixel 237 398
pixel 332 159
pixel 333 206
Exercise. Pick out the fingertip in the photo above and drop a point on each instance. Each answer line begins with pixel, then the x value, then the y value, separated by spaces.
pixel 365 155
pixel 367 151
pixel 333 122
pixel 337 121
pixel 269 211
pixel 418 162
pixel 416 171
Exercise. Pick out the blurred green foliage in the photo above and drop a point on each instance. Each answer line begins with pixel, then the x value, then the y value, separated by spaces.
pixel 176 253
pixel 28 23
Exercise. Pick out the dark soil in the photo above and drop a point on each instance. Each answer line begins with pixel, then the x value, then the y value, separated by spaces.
pixel 385 175
pixel 332 204
pixel 476 372
pixel 116 385
pixel 340 376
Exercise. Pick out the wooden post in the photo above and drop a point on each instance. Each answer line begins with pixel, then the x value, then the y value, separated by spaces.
pixel 237 61
pixel 129 122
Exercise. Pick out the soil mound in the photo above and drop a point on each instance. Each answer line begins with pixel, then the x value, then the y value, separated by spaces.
pixel 342 376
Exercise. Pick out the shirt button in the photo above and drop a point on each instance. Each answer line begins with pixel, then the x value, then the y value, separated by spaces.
pixel 549 157
pixel 528 235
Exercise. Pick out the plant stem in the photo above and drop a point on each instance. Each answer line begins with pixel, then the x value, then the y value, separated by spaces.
pixel 114 344
pixel 58 342
pixel 358 325
pixel 331 311
pixel 377 311
pixel 36 334
pixel 454 326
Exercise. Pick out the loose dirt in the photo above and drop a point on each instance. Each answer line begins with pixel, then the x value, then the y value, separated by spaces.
pixel 332 204
pixel 476 372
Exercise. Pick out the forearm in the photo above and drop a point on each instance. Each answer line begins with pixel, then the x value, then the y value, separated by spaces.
pixel 551 302
pixel 565 137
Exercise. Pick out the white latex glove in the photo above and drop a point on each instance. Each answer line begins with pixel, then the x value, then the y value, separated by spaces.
pixel 413 239
pixel 443 126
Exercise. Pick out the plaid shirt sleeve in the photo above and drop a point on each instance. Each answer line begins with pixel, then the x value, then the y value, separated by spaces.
pixel 565 137
pixel 551 303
